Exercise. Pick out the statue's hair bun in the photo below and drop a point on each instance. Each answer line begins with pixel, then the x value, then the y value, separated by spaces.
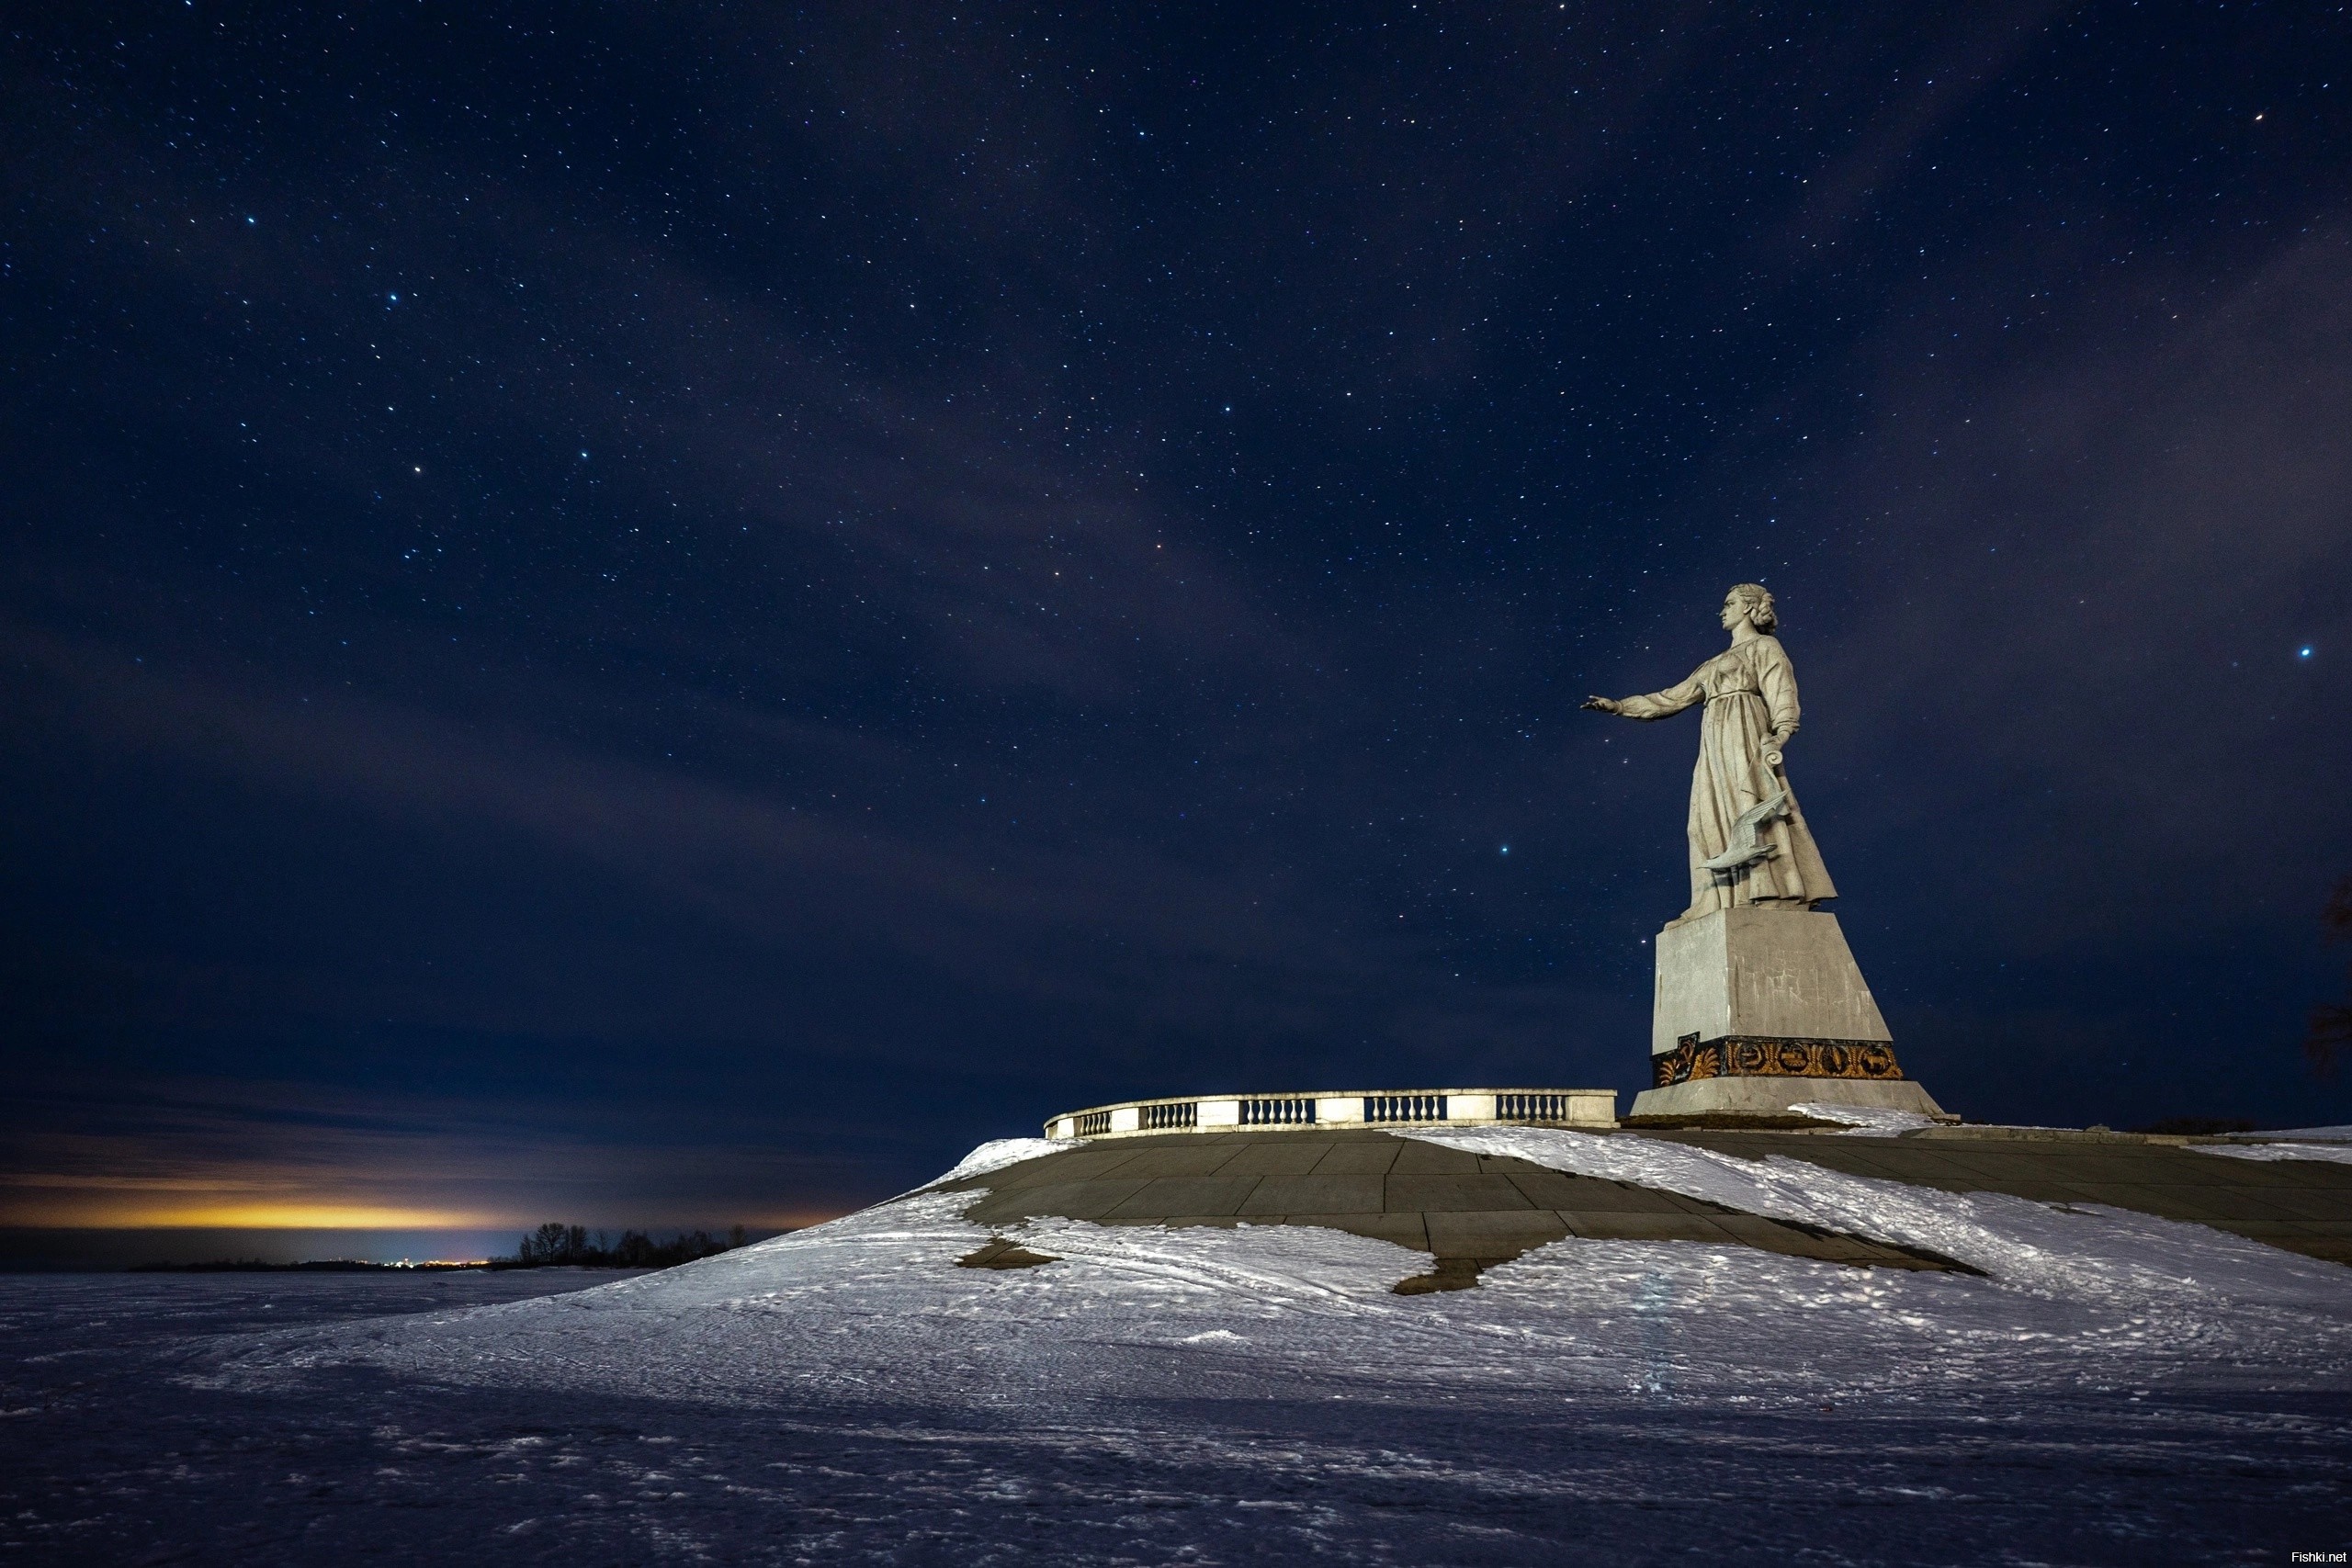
pixel 1760 603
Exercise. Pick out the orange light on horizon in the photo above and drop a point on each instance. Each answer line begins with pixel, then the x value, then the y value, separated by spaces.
pixel 316 1216
pixel 117 1209
pixel 108 1211
pixel 262 1198
pixel 238 1202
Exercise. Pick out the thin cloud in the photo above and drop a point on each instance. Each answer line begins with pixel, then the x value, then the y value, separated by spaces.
pixel 1966 61
pixel 176 1152
pixel 983 910
pixel 2135 521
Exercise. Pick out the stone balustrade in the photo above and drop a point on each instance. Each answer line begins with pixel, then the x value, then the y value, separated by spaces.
pixel 1593 1107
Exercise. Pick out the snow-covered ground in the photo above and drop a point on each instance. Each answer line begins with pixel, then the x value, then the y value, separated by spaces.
pixel 2113 1388
pixel 995 1155
pixel 2341 1154
pixel 1865 1121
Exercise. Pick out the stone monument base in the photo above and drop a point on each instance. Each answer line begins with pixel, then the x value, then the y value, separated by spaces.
pixel 1761 1008
pixel 1764 1101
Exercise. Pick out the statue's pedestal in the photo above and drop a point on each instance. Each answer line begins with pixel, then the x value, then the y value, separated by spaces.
pixel 1759 1009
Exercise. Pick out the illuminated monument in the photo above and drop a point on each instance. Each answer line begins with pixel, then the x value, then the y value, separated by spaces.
pixel 1759 1004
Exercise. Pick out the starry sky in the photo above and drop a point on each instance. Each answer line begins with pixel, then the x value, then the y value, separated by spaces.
pixel 670 614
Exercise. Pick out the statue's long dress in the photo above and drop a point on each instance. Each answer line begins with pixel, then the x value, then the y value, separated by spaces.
pixel 1750 692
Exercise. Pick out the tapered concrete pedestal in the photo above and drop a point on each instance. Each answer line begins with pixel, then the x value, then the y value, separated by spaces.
pixel 1762 1100
pixel 1759 1009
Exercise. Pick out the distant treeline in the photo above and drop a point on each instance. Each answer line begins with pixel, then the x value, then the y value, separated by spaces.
pixel 559 1246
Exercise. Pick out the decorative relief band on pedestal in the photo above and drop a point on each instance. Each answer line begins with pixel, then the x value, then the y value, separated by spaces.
pixel 1752 1055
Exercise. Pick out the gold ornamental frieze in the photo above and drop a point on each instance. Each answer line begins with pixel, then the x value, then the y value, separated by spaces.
pixel 1749 1055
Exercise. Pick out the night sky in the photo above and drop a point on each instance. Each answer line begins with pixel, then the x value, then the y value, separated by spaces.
pixel 669 614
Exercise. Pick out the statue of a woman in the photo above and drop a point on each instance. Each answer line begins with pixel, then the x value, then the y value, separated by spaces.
pixel 1748 841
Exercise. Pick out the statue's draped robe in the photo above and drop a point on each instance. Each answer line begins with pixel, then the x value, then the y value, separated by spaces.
pixel 1750 692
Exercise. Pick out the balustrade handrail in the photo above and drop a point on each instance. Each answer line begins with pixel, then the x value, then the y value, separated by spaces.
pixel 1325 1109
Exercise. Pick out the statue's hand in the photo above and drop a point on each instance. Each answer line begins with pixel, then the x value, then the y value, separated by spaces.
pixel 1604 704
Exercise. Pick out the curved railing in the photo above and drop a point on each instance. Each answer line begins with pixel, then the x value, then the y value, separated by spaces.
pixel 1349 1108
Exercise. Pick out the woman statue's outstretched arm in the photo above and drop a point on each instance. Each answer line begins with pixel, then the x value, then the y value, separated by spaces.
pixel 1658 705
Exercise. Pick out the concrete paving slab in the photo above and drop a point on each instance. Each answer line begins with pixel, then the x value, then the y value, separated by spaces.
pixel 2123 1195
pixel 1558 1189
pixel 2204 1204
pixel 2085 1175
pixel 1921 1167
pixel 1168 1195
pixel 1079 1165
pixel 1070 1199
pixel 2297 1173
pixel 2308 1203
pixel 1455 1195
pixel 1153 1159
pixel 1416 1159
pixel 1289 1157
pixel 1622 1198
pixel 1626 1227
pixel 1318 1194
pixel 1361 1157
pixel 2313 1239
pixel 1491 1238
pixel 1404 1230
pixel 1690 1205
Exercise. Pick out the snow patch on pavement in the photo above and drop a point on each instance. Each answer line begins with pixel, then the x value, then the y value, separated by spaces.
pixel 2307 1134
pixel 2075 1253
pixel 1865 1121
pixel 2339 1153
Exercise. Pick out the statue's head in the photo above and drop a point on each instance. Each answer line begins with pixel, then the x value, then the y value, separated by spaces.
pixel 1752 602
